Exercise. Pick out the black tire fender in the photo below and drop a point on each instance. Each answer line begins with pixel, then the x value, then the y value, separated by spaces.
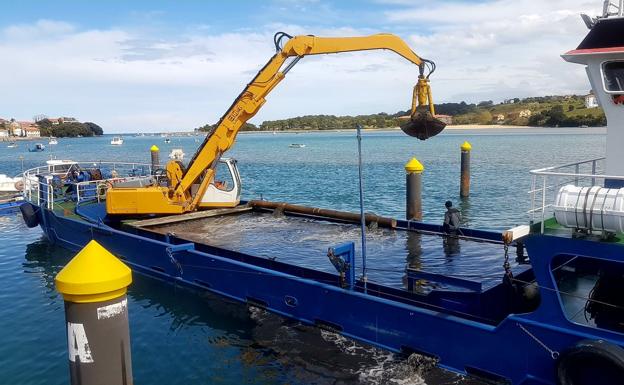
pixel 29 214
pixel 591 362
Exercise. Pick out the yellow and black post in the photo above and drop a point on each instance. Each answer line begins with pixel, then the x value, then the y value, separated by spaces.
pixel 413 186
pixel 464 183
pixel 93 285
pixel 155 152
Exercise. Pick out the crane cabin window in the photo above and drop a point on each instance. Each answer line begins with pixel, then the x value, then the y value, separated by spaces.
pixel 613 76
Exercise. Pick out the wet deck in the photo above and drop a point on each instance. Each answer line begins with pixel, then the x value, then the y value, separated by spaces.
pixel 304 242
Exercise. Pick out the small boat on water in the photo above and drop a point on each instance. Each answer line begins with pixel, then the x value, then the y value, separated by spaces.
pixel 52 141
pixel 10 204
pixel 117 141
pixel 167 140
pixel 176 154
pixel 8 184
pixel 296 145
pixel 39 147
pixel 12 145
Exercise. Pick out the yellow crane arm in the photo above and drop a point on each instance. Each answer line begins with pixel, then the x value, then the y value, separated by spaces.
pixel 202 166
pixel 253 96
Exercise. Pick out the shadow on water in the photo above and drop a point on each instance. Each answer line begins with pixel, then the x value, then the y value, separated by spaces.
pixel 275 349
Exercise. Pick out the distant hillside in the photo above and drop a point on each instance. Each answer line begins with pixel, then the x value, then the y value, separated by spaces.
pixel 546 111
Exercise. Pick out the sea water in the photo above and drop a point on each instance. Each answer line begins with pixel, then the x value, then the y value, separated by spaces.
pixel 181 336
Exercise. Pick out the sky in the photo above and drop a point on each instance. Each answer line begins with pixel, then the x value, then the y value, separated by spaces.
pixel 156 66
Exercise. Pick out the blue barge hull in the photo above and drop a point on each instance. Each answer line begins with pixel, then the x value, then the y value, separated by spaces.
pixel 469 332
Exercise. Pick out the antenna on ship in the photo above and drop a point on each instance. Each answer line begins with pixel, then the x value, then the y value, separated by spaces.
pixel 358 128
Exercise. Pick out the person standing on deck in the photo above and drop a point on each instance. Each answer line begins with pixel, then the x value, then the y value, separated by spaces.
pixel 452 218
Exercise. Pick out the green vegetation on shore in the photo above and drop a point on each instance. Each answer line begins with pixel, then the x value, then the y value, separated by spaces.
pixel 544 111
pixel 69 129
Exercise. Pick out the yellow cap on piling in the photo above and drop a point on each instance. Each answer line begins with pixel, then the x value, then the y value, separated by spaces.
pixel 154 148
pixel 414 166
pixel 93 275
pixel 466 146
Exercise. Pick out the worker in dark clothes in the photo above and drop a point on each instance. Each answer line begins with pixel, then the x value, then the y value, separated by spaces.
pixel 452 218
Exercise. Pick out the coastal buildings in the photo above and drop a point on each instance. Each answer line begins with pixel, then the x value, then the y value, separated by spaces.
pixel 524 113
pixel 11 128
pixel 29 129
pixel 590 100
pixel 62 119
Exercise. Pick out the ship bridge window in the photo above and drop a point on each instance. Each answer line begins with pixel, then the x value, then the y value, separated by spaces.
pixel 590 291
pixel 613 76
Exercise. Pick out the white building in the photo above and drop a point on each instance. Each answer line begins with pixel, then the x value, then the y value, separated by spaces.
pixel 32 132
pixel 524 113
pixel 4 134
pixel 15 129
pixel 591 101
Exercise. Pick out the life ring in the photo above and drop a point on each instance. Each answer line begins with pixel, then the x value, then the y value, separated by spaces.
pixel 19 185
pixel 591 362
pixel 29 214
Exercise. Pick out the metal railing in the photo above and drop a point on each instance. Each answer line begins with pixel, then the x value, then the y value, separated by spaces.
pixel 53 183
pixel 546 183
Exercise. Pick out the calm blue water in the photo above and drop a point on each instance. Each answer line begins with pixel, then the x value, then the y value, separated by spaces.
pixel 180 336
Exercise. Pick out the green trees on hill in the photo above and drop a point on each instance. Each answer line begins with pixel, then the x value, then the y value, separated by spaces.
pixel 548 111
pixel 70 129
pixel 556 117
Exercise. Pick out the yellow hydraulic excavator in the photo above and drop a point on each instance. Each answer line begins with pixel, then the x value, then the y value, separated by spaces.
pixel 191 188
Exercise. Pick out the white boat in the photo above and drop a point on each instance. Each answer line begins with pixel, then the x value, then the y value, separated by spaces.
pixel 117 141
pixel 296 145
pixel 52 140
pixel 8 184
pixel 38 148
pixel 176 154
pixel 167 140
pixel 12 145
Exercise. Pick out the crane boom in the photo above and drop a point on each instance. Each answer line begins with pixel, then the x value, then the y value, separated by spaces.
pixel 177 197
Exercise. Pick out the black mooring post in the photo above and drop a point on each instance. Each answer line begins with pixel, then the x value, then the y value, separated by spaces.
pixel 413 190
pixel 464 188
pixel 155 155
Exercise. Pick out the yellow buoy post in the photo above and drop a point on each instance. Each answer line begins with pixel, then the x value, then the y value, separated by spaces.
pixel 464 182
pixel 93 285
pixel 155 154
pixel 413 187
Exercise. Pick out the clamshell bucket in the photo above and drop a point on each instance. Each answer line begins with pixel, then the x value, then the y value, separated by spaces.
pixel 422 122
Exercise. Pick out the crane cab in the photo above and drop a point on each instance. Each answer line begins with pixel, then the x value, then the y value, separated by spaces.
pixel 225 189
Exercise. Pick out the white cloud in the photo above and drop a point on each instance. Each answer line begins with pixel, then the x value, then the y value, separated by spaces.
pixel 503 48
pixel 127 79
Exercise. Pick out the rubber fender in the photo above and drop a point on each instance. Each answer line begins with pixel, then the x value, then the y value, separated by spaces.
pixel 591 362
pixel 29 214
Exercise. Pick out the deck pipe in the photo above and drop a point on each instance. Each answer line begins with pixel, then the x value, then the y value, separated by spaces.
pixel 413 188
pixel 94 285
pixel 464 183
pixel 155 153
pixel 317 212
